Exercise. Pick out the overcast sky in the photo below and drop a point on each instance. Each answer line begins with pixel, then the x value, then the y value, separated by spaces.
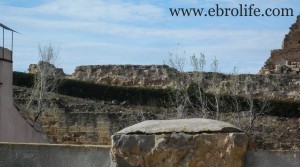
pixel 91 32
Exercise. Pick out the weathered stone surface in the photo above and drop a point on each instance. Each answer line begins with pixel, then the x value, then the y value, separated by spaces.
pixel 163 76
pixel 68 118
pixel 126 75
pixel 186 147
pixel 184 125
pixel 72 120
pixel 34 68
pixel 292 39
pixel 290 53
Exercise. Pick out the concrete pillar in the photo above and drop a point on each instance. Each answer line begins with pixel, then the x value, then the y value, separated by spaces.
pixel 13 127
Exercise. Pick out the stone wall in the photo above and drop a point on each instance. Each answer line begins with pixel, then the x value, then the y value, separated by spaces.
pixel 290 50
pixel 126 75
pixel 287 68
pixel 75 128
pixel 34 68
pixel 280 57
pixel 280 86
pixel 72 120
pixel 82 128
pixel 292 39
pixel 157 76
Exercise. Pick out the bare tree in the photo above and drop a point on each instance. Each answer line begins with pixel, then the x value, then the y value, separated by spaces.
pixel 234 92
pixel 190 90
pixel 180 96
pixel 46 79
pixel 198 64
pixel 215 89
pixel 256 106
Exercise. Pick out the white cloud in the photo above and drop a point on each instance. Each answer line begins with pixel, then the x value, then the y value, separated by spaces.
pixel 96 10
pixel 93 29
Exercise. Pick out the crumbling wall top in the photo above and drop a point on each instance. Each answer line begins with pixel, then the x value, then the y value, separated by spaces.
pixel 292 39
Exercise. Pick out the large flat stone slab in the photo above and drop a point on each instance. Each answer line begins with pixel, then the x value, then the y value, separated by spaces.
pixel 185 142
pixel 195 125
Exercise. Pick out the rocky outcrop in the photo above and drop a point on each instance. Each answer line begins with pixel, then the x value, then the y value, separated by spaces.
pixel 71 120
pixel 35 68
pixel 287 68
pixel 126 75
pixel 290 52
pixel 281 86
pixel 292 39
pixel 186 142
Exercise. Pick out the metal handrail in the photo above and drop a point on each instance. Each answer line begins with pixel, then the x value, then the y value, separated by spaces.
pixel 4 27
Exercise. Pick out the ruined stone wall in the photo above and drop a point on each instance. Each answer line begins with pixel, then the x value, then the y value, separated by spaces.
pixel 159 76
pixel 280 86
pixel 77 128
pixel 72 120
pixel 126 75
pixel 290 50
pixel 71 127
pixel 34 68
pixel 84 127
pixel 280 56
pixel 287 68
pixel 292 39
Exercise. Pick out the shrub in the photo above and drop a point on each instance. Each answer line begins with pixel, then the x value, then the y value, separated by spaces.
pixel 147 96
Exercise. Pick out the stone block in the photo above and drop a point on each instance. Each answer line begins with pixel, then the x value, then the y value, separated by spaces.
pixel 186 142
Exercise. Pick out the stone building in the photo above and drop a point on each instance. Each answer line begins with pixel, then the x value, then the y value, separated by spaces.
pixel 287 59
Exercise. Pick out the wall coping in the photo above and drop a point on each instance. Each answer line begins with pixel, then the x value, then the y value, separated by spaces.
pixel 57 145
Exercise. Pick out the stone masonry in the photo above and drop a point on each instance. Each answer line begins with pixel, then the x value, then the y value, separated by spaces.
pixel 126 75
pixel 34 68
pixel 158 76
pixel 285 60
pixel 287 68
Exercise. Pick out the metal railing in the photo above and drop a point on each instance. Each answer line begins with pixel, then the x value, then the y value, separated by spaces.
pixel 3 40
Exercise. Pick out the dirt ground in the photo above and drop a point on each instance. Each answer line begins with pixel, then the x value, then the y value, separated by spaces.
pixel 274 133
